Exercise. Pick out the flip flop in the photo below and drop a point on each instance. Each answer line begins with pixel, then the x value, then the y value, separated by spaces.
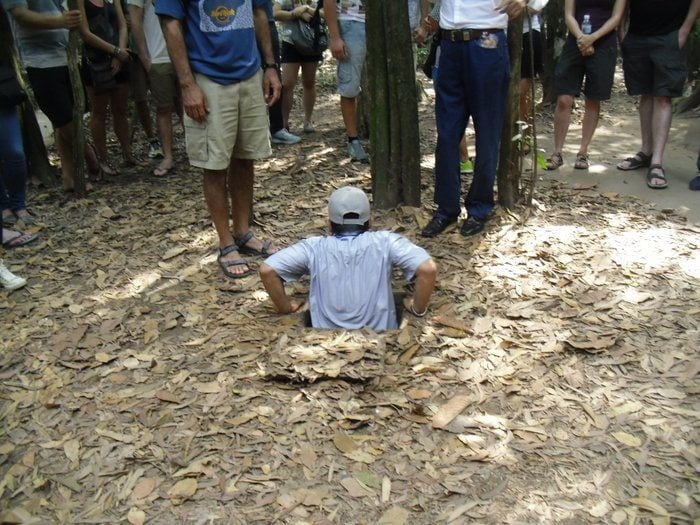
pixel 20 239
pixel 245 250
pixel 225 265
pixel 656 172
pixel 163 172
pixel 638 160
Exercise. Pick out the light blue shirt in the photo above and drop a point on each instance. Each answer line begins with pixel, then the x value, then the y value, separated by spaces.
pixel 39 48
pixel 350 276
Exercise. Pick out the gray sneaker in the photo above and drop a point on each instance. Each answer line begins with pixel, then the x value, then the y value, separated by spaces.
pixel 357 152
pixel 285 137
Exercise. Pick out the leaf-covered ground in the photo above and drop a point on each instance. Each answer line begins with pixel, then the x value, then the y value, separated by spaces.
pixel 554 381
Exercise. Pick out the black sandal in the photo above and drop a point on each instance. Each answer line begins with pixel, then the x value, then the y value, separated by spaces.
pixel 246 250
pixel 660 174
pixel 639 160
pixel 225 265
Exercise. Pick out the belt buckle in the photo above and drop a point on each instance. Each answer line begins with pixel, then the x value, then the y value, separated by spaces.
pixel 466 35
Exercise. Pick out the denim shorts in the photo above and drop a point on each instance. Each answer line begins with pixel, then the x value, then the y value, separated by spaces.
pixel 653 65
pixel 350 70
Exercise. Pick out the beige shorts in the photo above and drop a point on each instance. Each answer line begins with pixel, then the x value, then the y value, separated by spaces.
pixel 237 124
pixel 163 84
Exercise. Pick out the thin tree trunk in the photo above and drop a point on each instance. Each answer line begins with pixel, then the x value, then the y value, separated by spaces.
pixel 79 179
pixel 510 160
pixel 393 100
pixel 554 32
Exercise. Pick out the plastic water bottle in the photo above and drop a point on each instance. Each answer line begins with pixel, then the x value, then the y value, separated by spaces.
pixel 586 28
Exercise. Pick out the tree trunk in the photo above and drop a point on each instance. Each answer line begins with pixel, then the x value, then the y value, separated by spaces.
pixel 393 100
pixel 34 148
pixel 554 33
pixel 78 109
pixel 510 160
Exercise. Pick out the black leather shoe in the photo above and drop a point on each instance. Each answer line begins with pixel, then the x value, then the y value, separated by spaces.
pixel 437 225
pixel 472 226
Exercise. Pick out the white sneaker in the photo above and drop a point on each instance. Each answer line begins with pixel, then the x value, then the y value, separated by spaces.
pixel 357 152
pixel 285 137
pixel 9 280
pixel 155 151
pixel 309 127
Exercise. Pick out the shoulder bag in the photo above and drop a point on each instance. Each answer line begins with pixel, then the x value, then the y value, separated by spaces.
pixel 310 38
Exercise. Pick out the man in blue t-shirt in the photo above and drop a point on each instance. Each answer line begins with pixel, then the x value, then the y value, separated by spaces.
pixel 212 45
pixel 351 270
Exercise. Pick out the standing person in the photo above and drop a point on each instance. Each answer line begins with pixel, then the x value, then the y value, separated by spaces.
pixel 153 55
pixel 589 53
pixel 13 163
pixel 104 32
pixel 42 34
pixel 531 59
pixel 279 131
pixel 218 65
pixel 351 270
pixel 654 67
pixel 287 12
pixel 346 26
pixel 695 181
pixel 473 82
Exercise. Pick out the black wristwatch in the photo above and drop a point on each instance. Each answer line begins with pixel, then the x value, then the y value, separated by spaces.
pixel 268 66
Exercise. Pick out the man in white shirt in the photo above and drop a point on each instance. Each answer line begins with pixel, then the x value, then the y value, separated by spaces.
pixel 154 57
pixel 473 82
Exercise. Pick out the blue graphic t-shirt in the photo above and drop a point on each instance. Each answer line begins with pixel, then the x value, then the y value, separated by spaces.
pixel 219 36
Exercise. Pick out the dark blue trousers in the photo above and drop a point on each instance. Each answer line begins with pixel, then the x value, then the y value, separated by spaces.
pixel 473 81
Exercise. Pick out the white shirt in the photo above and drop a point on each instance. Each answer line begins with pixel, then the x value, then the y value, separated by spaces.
pixel 472 14
pixel 351 10
pixel 350 276
pixel 155 42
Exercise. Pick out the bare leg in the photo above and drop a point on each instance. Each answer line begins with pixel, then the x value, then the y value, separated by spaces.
pixel 119 102
pixel 308 79
pixel 64 143
pixel 144 114
pixel 562 119
pixel 660 126
pixel 590 122
pixel 646 111
pixel 164 121
pixel 98 117
pixel 289 80
pixel 240 185
pixel 463 149
pixel 348 108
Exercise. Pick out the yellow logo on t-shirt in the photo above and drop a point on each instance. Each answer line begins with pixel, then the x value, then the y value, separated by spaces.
pixel 222 14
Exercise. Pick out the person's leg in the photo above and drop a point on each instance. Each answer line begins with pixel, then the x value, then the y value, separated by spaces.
pixel 525 92
pixel 348 109
pixel 98 122
pixel 486 103
pixel 64 144
pixel 451 116
pixel 119 101
pixel 562 119
pixel 590 123
pixel 14 165
pixel 308 80
pixel 164 121
pixel 660 126
pixel 289 81
pixel 240 176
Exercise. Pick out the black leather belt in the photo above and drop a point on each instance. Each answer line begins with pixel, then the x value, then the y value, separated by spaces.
pixel 465 35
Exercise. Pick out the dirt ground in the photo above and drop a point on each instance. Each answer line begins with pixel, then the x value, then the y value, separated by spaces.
pixel 555 379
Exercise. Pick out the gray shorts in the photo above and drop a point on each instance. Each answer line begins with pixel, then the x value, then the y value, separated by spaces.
pixel 654 65
pixel 350 70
